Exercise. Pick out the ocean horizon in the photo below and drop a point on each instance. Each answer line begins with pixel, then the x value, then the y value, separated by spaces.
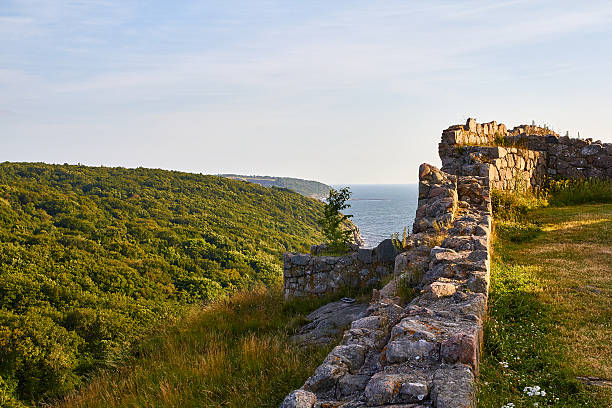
pixel 380 210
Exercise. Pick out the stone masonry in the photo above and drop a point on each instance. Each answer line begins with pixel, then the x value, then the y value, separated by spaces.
pixel 426 353
pixel 312 274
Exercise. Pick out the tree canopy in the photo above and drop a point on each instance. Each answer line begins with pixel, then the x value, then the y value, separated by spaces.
pixel 92 258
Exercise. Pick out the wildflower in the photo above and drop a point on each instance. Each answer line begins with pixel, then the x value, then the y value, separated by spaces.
pixel 504 364
pixel 534 391
pixel 509 405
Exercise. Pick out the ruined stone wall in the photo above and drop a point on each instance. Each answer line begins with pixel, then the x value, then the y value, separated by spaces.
pixel 426 352
pixel 570 158
pixel 317 275
pixel 533 153
pixel 510 167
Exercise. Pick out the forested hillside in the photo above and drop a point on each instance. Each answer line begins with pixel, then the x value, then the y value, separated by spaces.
pixel 92 258
pixel 308 188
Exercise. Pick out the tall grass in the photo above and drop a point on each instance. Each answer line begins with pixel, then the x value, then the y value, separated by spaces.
pixel 513 205
pixel 580 191
pixel 232 353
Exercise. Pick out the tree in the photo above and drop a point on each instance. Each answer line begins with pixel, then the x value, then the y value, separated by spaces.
pixel 334 223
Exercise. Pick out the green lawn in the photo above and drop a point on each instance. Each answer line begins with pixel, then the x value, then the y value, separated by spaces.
pixel 550 310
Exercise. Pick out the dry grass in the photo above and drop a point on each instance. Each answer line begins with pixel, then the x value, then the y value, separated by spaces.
pixel 233 353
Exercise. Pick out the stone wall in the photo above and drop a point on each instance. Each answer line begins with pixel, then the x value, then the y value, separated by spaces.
pixel 425 353
pixel 533 153
pixel 317 275
pixel 570 158
pixel 510 167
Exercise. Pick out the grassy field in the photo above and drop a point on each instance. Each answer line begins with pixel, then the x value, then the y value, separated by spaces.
pixel 550 310
pixel 233 353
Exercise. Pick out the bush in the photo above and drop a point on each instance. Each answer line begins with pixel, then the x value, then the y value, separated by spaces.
pixel 580 191
pixel 513 205
pixel 334 223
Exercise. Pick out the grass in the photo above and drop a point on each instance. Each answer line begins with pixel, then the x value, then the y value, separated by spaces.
pixel 231 353
pixel 550 309
pixel 580 191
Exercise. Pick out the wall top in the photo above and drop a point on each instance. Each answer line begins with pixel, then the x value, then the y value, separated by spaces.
pixel 493 129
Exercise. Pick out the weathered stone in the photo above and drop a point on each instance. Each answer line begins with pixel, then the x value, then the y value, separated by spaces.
pixel 443 324
pixel 299 399
pixel 300 259
pixel 405 348
pixel 325 378
pixel 365 255
pixel 369 322
pixel 440 289
pixel 352 355
pixel 328 321
pixel 463 347
pixel 393 388
pixel 453 387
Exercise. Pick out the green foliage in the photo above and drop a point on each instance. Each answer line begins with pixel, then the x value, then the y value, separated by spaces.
pixel 308 188
pixel 580 191
pixel 517 232
pixel 400 244
pixel 334 223
pixel 513 205
pixel 92 259
pixel 232 353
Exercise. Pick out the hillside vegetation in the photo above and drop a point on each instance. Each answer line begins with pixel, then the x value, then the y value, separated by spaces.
pixel 308 188
pixel 93 259
pixel 232 353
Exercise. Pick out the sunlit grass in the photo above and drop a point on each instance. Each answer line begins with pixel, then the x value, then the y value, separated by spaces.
pixel 550 310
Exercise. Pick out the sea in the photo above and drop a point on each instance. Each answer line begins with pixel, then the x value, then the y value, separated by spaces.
pixel 380 210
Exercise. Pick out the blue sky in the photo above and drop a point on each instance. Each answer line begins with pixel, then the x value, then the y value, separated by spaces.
pixel 342 91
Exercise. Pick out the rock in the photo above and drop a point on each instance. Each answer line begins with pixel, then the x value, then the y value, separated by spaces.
pixel 364 255
pixel 351 384
pixel 352 355
pixel 453 387
pixel 369 322
pixel 299 399
pixel 463 347
pixel 471 125
pixel 394 388
pixel 590 150
pixel 406 348
pixel 325 378
pixel 300 259
pixel 328 321
pixel 385 251
pixel 440 289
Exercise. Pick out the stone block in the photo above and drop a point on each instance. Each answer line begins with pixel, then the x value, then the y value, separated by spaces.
pixel 299 399
pixel 394 388
pixel 453 387
pixel 463 347
pixel 365 255
pixel 405 348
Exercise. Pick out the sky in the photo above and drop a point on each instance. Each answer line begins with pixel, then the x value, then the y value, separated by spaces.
pixel 340 91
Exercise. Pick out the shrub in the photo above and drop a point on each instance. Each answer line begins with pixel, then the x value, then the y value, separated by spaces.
pixel 334 223
pixel 513 205
pixel 580 191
